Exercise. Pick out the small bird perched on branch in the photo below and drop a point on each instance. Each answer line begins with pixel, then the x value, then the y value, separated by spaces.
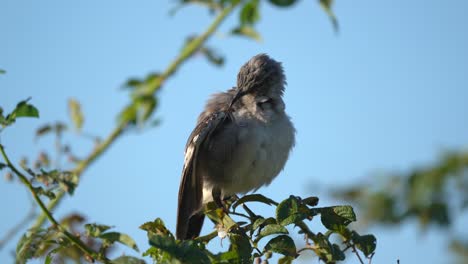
pixel 241 142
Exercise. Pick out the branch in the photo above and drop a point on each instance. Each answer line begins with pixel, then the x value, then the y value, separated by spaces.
pixel 75 240
pixel 188 51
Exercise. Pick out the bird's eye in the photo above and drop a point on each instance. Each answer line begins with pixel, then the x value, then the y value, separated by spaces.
pixel 263 102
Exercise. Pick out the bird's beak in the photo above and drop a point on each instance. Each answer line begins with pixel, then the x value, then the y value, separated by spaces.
pixel 238 95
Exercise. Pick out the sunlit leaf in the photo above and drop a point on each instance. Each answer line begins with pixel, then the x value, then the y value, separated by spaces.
pixel 23 109
pixel 247 31
pixel 76 114
pixel 95 230
pixel 124 239
pixel 156 227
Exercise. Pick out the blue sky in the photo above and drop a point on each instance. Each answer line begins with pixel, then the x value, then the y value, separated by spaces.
pixel 388 93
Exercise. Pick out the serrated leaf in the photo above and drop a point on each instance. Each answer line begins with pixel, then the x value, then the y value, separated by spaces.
pixel 249 13
pixel 282 244
pixel 327 7
pixel 127 260
pixel 283 3
pixel 271 230
pixel 291 211
pixel 253 198
pixel 76 114
pixel 95 230
pixel 124 239
pixel 247 31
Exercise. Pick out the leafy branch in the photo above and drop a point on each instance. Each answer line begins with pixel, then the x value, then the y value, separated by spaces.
pixel 35 193
pixel 246 236
pixel 149 90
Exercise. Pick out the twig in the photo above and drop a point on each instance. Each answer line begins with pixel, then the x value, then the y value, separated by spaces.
pixel 189 50
pixel 357 253
pixel 75 240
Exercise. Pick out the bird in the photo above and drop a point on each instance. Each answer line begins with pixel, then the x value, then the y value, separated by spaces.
pixel 241 142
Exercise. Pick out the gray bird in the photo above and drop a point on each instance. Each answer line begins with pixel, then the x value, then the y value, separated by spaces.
pixel 241 142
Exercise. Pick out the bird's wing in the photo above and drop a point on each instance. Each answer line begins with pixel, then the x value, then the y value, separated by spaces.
pixel 191 185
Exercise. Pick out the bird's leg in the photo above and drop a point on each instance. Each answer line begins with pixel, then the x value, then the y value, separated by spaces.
pixel 216 192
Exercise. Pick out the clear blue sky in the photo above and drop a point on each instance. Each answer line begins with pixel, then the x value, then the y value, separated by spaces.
pixel 388 93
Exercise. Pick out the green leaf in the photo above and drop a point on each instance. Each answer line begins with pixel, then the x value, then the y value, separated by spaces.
pixel 253 198
pixel 249 13
pixel 156 227
pixel 76 114
pixel 365 243
pixel 127 260
pixel 2 71
pixel 240 244
pixel 291 210
pixel 260 222
pixel 124 239
pixel 30 245
pixel 271 230
pixel 128 115
pixel 327 251
pixel 168 251
pixel 23 109
pixel 311 201
pixel 282 3
pixel 286 260
pixel 327 7
pixel 95 230
pixel 247 31
pixel 336 218
pixel 49 257
pixel 218 215
pixel 48 193
pixel 282 244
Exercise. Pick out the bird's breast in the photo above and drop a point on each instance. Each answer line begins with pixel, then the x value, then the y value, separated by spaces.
pixel 260 153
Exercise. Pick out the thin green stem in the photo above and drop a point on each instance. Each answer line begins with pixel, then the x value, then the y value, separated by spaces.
pixel 75 240
pixel 188 51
